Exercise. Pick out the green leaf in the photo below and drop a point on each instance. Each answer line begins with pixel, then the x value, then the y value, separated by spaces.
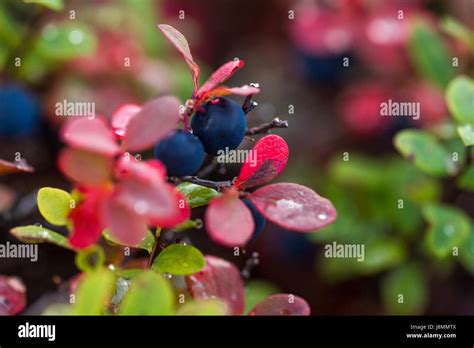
pixel 467 252
pixel 94 292
pixel 466 133
pixel 197 195
pixel 404 291
pixel 466 180
pixel 424 150
pixel 150 294
pixel 55 205
pixel 460 99
pixel 37 234
pixel 188 224
pixel 203 307
pixel 449 227
pixel 429 54
pixel 256 291
pixel 55 5
pixel 146 243
pixel 90 259
pixel 179 259
pixel 456 29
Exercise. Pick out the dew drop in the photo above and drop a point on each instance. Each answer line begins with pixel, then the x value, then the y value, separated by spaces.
pixel 322 216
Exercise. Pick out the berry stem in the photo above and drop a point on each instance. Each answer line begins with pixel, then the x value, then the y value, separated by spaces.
pixel 216 185
pixel 266 127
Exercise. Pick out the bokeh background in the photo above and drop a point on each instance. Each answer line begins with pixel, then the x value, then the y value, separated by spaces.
pixel 325 66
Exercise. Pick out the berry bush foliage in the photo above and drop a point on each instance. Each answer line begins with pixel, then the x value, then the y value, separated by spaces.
pixel 121 201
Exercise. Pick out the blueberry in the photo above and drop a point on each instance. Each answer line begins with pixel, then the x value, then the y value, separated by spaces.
pixel 220 125
pixel 258 218
pixel 182 153
pixel 19 111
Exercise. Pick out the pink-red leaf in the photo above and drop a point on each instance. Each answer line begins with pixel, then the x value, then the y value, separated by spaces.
pixel 149 171
pixel 281 304
pixel 219 279
pixel 121 117
pixel 222 91
pixel 220 75
pixel 156 120
pixel 179 41
pixel 150 196
pixel 271 153
pixel 294 207
pixel 124 225
pixel 14 167
pixel 85 167
pixel 228 221
pixel 86 217
pixel 90 135
pixel 12 295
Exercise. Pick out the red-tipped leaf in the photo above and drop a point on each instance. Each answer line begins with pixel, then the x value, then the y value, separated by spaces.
pixel 179 41
pixel 294 207
pixel 156 120
pixel 14 167
pixel 219 279
pixel 271 153
pixel 122 116
pixel 84 167
pixel 222 91
pixel 228 221
pixel 220 75
pixel 281 304
pixel 90 135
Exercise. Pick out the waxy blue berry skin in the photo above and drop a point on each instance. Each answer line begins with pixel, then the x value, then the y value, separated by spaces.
pixel 220 124
pixel 19 111
pixel 258 218
pixel 182 153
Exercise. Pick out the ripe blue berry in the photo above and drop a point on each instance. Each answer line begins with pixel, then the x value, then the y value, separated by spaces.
pixel 220 125
pixel 19 111
pixel 182 153
pixel 258 218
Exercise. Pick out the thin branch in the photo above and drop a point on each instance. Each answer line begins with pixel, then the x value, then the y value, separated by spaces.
pixel 216 185
pixel 266 127
pixel 249 104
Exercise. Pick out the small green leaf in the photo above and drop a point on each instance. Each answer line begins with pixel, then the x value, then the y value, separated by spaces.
pixel 203 307
pixel 429 54
pixel 55 5
pixel 150 294
pixel 460 99
pixel 55 205
pixel 90 259
pixel 466 180
pixel 256 291
pixel 449 227
pixel 467 252
pixel 94 292
pixel 188 224
pixel 424 150
pixel 37 234
pixel 197 195
pixel 179 259
pixel 404 291
pixel 456 29
pixel 466 133
pixel 146 243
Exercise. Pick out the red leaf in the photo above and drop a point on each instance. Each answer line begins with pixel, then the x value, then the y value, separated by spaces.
pixel 12 295
pixel 121 117
pixel 218 279
pixel 271 153
pixel 157 119
pixel 124 225
pixel 281 304
pixel 85 167
pixel 228 220
pixel 179 41
pixel 90 135
pixel 14 167
pixel 149 171
pixel 86 217
pixel 223 91
pixel 220 75
pixel 150 196
pixel 294 207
